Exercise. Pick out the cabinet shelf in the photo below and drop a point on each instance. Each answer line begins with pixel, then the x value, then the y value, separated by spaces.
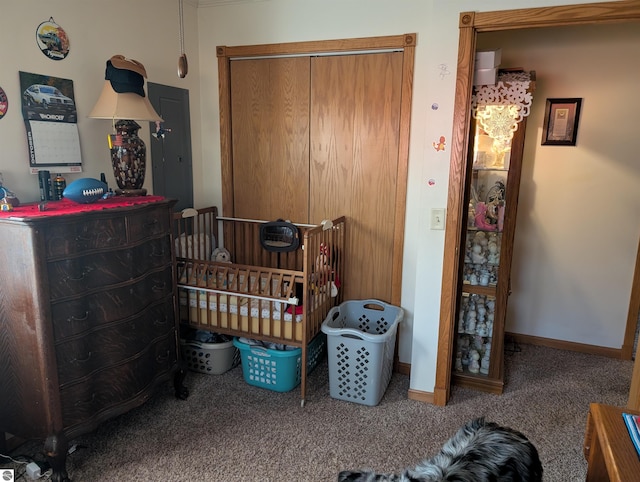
pixel 483 168
pixel 479 290
pixel 478 382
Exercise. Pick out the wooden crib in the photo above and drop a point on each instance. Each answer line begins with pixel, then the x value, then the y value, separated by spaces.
pixel 266 292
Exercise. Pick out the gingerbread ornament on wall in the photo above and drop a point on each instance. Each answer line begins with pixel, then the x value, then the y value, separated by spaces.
pixel 52 40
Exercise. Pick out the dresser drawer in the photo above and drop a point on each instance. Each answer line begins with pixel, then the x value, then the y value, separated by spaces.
pixel 111 344
pixel 147 222
pixel 116 385
pixel 79 315
pixel 68 238
pixel 81 274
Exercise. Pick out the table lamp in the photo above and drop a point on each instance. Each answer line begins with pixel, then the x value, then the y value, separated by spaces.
pixel 123 100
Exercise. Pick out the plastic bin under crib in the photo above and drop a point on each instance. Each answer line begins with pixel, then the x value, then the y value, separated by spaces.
pixel 361 339
pixel 278 370
pixel 210 358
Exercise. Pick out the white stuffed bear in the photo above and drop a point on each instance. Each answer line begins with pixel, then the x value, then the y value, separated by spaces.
pixel 221 255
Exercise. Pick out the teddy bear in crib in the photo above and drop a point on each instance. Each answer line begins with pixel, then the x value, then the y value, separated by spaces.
pixel 221 255
pixel 324 274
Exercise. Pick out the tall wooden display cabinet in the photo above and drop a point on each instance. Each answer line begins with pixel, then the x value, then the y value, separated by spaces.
pixel 486 241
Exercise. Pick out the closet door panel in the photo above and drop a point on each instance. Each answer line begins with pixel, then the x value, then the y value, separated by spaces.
pixel 355 117
pixel 270 138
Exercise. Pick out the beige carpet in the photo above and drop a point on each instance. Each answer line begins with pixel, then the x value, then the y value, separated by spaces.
pixel 230 431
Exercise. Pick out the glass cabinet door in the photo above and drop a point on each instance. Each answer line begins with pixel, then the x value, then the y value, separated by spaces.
pixel 492 185
pixel 482 250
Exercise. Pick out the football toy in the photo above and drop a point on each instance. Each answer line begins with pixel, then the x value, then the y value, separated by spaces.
pixel 85 190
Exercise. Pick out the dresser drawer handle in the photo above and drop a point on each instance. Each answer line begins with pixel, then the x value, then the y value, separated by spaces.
pixel 82 360
pixel 159 288
pixel 73 318
pixel 163 358
pixel 160 322
pixel 82 238
pixel 85 402
pixel 79 278
pixel 153 222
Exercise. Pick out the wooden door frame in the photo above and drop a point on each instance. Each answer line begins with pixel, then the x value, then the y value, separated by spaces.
pixel 406 43
pixel 472 23
pixel 629 337
pixel 632 316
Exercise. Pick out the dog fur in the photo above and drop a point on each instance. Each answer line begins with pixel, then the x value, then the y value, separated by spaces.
pixel 479 452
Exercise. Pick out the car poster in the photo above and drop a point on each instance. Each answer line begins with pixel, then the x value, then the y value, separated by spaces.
pixel 50 118
pixel 4 103
pixel 52 40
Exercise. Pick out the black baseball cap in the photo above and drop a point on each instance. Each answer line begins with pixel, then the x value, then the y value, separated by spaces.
pixel 125 75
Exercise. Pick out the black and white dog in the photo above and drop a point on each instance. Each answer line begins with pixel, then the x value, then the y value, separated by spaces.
pixel 479 452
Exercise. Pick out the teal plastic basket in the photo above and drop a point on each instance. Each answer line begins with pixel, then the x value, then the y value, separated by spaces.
pixel 278 370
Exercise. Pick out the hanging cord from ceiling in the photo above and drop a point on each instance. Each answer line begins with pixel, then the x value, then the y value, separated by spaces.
pixel 183 66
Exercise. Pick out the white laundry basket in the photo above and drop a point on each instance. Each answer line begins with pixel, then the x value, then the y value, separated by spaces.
pixel 361 339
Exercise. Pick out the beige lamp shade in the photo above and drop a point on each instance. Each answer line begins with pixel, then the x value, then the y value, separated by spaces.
pixel 127 105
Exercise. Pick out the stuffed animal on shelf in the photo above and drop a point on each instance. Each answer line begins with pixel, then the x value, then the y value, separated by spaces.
pixel 482 217
pixel 221 255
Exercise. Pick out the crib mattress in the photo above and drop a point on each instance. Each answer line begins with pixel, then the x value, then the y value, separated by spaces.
pixel 243 305
pixel 246 315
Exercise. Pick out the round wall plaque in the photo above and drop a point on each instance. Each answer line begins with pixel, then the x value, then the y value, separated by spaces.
pixel 52 40
pixel 4 103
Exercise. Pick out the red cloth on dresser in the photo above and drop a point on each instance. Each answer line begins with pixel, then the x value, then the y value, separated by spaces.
pixel 66 206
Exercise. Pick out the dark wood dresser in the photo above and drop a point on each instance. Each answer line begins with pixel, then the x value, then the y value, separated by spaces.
pixel 87 305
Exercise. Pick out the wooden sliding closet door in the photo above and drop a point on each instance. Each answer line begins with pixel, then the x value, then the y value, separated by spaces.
pixel 270 138
pixel 355 125
pixel 317 137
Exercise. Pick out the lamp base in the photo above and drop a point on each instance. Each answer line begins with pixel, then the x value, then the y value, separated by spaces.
pixel 131 192
pixel 128 158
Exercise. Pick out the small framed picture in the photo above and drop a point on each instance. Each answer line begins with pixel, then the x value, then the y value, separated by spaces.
pixel 561 122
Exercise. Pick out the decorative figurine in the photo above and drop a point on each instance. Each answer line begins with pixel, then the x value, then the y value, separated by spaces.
pixel 481 329
pixel 471 216
pixel 485 362
pixel 471 322
pixel 459 361
pixel 481 310
pixel 477 254
pixel 474 362
pixel 482 218
pixel 481 238
pixel 465 358
pixel 494 254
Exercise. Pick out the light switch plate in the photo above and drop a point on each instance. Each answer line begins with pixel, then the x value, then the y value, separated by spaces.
pixel 437 218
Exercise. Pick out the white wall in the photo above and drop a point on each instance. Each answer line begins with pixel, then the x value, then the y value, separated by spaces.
pixel 147 30
pixel 577 231
pixel 436 23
